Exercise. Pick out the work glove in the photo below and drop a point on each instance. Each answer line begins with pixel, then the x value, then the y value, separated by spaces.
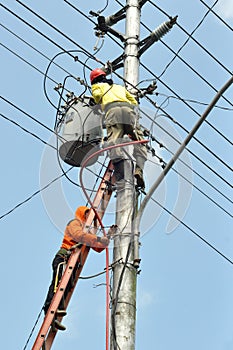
pixel 112 231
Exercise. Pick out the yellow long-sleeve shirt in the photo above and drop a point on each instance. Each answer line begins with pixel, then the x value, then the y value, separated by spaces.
pixel 103 93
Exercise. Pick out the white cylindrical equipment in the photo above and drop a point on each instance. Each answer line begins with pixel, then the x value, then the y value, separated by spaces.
pixel 81 132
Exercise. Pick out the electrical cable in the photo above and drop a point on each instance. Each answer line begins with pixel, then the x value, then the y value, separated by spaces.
pixel 34 48
pixel 27 114
pixel 201 191
pixel 46 74
pixel 33 195
pixel 200 76
pixel 34 28
pixel 100 11
pixel 194 171
pixel 56 29
pixel 187 40
pixel 121 77
pixel 100 170
pixel 192 153
pixel 33 328
pixel 192 101
pixel 24 60
pixel 220 18
pixel 74 183
pixel 38 70
pixel 197 140
pixel 153 103
pixel 193 231
pixel 78 185
pixel 177 122
pixel 27 131
pixel 171 162
pixel 196 41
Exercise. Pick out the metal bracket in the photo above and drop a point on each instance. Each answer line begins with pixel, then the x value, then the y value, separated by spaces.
pixel 104 28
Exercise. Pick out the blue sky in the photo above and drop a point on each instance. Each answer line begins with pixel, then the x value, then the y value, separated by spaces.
pixel 185 287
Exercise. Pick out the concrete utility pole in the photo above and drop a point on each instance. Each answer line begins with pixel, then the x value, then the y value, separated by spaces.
pixel 123 318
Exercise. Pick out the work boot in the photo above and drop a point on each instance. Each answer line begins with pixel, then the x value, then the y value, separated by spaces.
pixel 138 174
pixel 59 326
pixel 61 312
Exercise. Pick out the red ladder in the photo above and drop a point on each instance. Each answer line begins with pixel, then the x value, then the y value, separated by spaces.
pixel 47 332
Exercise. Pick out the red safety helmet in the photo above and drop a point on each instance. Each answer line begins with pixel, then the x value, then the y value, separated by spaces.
pixel 96 73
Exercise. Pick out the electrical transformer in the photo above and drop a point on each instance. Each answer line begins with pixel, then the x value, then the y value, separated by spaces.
pixel 81 131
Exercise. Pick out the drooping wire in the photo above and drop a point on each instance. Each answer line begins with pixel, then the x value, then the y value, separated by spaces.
pixel 100 11
pixel 211 169
pixel 192 38
pixel 33 328
pixel 33 195
pixel 97 59
pixel 220 18
pixel 192 101
pixel 187 40
pixel 47 70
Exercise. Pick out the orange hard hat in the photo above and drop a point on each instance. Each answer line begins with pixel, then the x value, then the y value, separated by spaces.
pixel 96 73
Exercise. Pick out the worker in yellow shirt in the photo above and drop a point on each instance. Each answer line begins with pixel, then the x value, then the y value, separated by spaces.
pixel 120 119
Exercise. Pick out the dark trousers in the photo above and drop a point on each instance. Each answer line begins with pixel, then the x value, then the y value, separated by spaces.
pixel 55 264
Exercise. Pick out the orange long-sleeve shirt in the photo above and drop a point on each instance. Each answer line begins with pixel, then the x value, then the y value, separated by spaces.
pixel 74 233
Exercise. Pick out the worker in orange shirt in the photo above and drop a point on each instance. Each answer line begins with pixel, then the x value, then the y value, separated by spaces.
pixel 73 234
pixel 120 119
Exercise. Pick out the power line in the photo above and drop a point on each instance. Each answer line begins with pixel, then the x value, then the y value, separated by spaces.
pixel 34 135
pixel 27 131
pixel 92 55
pixel 220 18
pixel 27 114
pixel 178 97
pixel 196 173
pixel 193 231
pixel 187 40
pixel 197 140
pixel 56 29
pixel 91 171
pixel 24 60
pixel 203 193
pixel 191 152
pixel 35 49
pixel 193 101
pixel 47 23
pixel 38 31
pixel 191 37
pixel 33 195
pixel 193 109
